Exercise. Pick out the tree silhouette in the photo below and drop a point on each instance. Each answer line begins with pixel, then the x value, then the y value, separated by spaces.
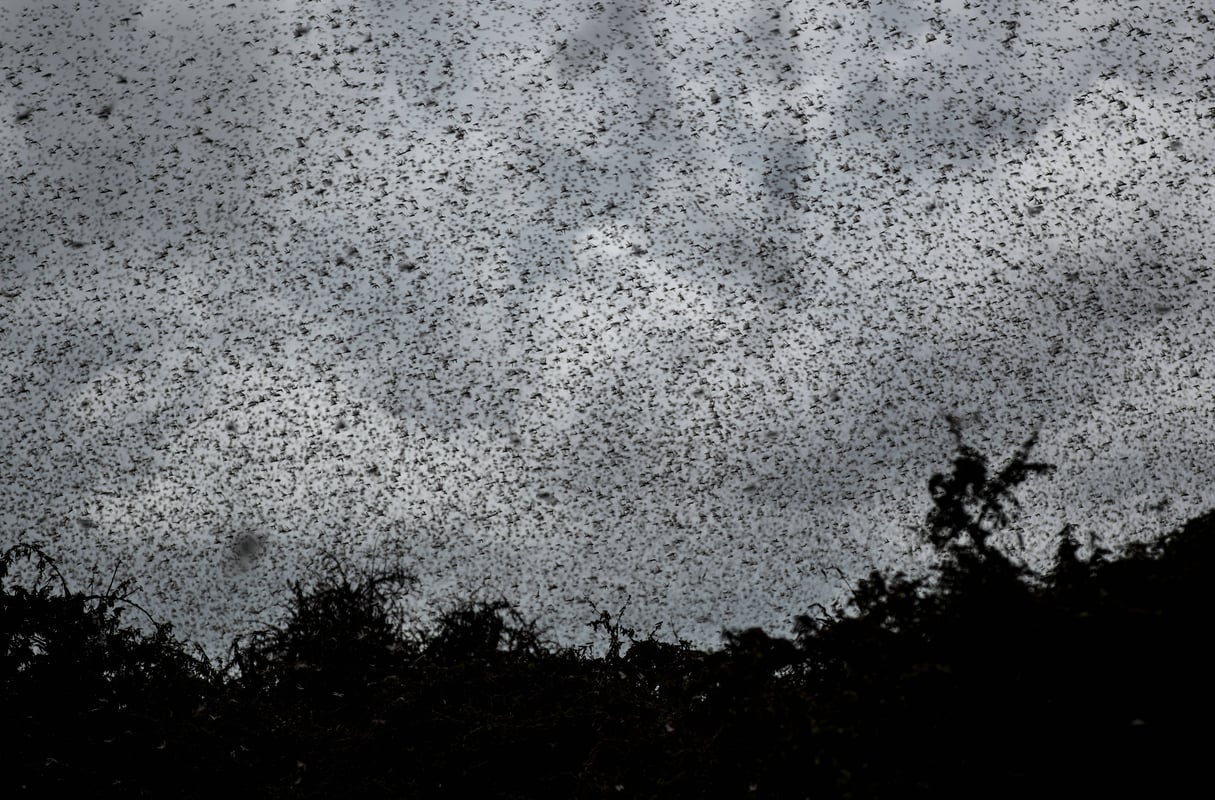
pixel 972 504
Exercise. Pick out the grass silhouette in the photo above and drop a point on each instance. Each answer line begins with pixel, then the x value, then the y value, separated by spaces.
pixel 984 679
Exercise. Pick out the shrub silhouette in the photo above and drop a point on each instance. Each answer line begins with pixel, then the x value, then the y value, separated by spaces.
pixel 981 679
pixel 89 702
pixel 341 632
pixel 971 504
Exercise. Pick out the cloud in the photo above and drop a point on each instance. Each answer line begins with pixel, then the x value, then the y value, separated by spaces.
pixel 663 298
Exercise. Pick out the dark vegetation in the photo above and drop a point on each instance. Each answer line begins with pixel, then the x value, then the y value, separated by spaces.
pixel 984 679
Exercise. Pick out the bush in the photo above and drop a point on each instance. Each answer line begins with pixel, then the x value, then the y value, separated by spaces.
pixel 981 679
pixel 90 703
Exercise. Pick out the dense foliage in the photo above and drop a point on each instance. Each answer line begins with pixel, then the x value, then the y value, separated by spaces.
pixel 984 679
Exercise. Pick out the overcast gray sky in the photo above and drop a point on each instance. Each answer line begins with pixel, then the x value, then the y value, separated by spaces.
pixel 555 299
